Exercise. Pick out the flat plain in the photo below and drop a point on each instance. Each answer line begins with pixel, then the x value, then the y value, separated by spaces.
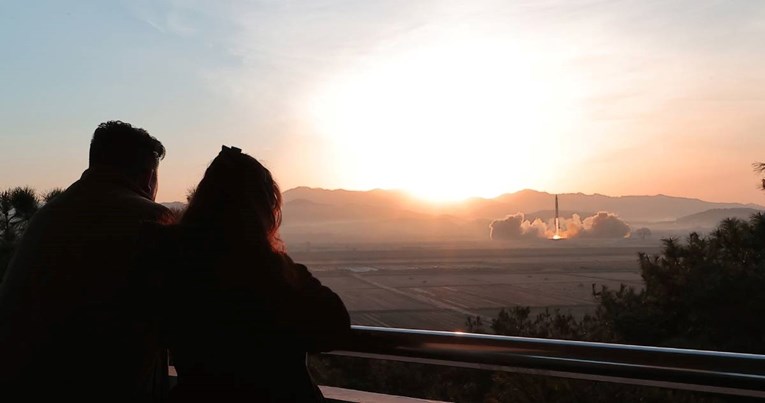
pixel 438 286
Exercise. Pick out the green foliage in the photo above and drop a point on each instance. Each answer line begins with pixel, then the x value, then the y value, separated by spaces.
pixel 518 321
pixel 759 167
pixel 642 232
pixel 25 203
pixel 17 207
pixel 51 194
pixel 705 293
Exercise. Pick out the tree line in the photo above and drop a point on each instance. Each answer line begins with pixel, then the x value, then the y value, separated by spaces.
pixel 17 206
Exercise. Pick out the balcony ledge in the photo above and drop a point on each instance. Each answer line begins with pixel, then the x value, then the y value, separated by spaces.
pixel 333 394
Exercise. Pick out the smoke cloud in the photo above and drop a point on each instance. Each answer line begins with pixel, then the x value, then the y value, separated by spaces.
pixel 511 227
pixel 606 225
pixel 601 225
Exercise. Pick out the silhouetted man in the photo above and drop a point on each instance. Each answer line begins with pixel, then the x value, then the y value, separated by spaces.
pixel 72 320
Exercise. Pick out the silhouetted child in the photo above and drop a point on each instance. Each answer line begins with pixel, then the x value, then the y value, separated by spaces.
pixel 242 315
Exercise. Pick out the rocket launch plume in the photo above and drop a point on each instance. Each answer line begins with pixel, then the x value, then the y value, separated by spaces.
pixel 600 225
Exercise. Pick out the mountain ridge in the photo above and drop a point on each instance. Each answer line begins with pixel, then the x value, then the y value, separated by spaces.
pixel 659 207
pixel 379 215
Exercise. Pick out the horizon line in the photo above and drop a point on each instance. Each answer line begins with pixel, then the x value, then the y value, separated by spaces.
pixel 452 202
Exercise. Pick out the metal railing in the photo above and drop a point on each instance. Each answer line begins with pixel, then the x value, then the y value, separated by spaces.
pixel 697 370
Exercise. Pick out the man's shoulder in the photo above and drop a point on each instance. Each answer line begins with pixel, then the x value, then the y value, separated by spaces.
pixel 153 210
pixel 107 197
pixel 93 200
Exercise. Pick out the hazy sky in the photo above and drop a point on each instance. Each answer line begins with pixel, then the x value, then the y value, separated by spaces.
pixel 445 99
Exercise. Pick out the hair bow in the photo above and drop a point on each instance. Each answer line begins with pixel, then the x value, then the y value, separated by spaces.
pixel 231 150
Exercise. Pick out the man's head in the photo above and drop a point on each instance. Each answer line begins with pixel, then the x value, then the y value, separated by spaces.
pixel 128 150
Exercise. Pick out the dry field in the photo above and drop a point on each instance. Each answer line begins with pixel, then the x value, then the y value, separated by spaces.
pixel 437 287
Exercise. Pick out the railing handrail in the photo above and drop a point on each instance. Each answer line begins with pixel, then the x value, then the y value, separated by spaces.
pixel 699 370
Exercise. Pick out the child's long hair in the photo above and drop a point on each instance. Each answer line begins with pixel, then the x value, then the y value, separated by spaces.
pixel 239 198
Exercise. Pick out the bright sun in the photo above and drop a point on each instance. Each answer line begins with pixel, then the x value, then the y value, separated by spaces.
pixel 470 118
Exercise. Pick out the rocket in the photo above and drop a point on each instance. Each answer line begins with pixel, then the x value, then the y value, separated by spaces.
pixel 557 219
pixel 556 207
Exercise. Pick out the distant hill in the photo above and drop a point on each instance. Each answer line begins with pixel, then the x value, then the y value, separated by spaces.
pixel 390 215
pixel 377 197
pixel 314 214
pixel 630 208
pixel 711 218
pixel 304 209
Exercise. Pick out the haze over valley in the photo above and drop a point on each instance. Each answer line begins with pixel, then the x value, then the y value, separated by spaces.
pixel 389 216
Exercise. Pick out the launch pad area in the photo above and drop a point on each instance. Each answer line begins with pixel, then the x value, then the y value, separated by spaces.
pixel 439 288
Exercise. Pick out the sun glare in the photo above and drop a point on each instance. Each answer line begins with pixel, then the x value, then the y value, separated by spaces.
pixel 444 123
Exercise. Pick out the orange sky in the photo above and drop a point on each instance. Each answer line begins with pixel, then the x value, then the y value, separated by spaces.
pixel 440 98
